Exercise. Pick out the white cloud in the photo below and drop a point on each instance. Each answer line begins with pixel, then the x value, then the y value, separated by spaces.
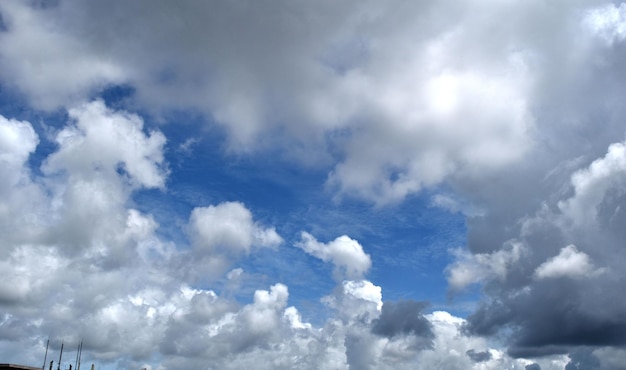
pixel 18 141
pixel 229 227
pixel 262 316
pixel 25 281
pixel 439 120
pixel 568 263
pixel 591 185
pixel 102 157
pixel 70 72
pixel 75 249
pixel 350 261
pixel 104 141
pixel 364 290
pixel 293 316
pixel 474 268
pixel 608 21
pixel 220 235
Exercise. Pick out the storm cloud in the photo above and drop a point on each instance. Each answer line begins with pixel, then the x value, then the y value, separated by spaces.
pixel 402 318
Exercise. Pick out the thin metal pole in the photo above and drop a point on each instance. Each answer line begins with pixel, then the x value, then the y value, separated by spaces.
pixel 77 352
pixel 45 356
pixel 80 354
pixel 60 355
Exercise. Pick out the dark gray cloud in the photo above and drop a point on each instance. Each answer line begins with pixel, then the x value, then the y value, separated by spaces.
pixel 583 359
pixel 551 317
pixel 478 356
pixel 533 367
pixel 564 308
pixel 549 298
pixel 402 318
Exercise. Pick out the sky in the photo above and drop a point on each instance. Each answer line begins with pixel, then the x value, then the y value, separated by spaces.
pixel 326 184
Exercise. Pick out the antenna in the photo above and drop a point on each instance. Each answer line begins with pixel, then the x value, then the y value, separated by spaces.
pixel 46 355
pixel 60 355
pixel 80 354
pixel 77 353
pixel 76 361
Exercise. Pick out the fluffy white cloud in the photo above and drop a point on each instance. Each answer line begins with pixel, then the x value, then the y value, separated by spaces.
pixel 364 290
pixel 346 254
pixel 75 250
pixel 18 141
pixel 591 185
pixel 96 269
pixel 102 156
pixel 105 142
pixel 220 236
pixel 568 263
pixel 229 227
pixel 293 316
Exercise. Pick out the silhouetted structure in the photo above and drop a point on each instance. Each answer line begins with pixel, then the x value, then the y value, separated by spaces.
pixel 17 367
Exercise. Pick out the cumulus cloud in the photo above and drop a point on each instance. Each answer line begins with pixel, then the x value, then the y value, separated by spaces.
pixel 80 251
pixel 229 227
pixel 221 235
pixel 103 141
pixel 101 157
pixel 18 141
pixel 344 253
pixel 87 265
pixel 550 296
pixel 568 263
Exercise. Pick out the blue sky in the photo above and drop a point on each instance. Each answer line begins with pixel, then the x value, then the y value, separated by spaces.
pixel 313 185
pixel 293 198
